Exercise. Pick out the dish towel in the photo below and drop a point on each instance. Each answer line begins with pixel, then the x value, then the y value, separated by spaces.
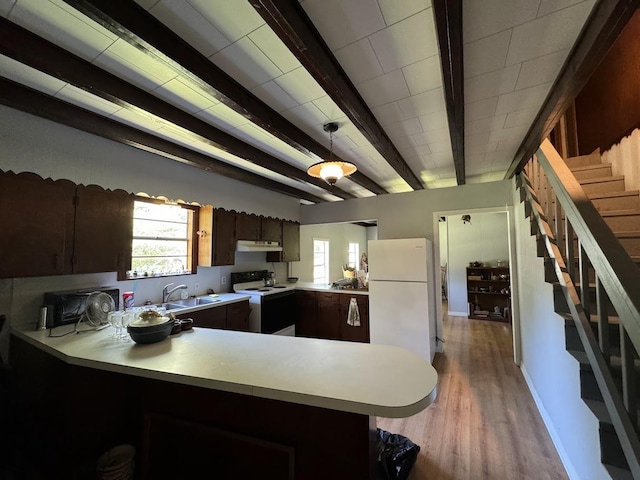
pixel 353 318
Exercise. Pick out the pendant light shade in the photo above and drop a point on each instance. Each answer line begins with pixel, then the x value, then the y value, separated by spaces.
pixel 331 170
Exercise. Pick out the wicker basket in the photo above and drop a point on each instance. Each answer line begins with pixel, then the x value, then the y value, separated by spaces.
pixel 349 273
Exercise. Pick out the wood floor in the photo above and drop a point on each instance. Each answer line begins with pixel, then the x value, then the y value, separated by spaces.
pixel 484 423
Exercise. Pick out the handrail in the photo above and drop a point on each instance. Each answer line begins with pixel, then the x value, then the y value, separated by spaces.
pixel 613 401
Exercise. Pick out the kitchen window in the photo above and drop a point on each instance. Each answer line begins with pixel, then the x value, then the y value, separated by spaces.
pixel 354 255
pixel 163 239
pixel 320 261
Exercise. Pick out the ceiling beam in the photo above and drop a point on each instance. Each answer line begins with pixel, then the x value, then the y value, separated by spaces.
pixel 448 18
pixel 42 105
pixel 290 22
pixel 30 49
pixel 606 22
pixel 133 24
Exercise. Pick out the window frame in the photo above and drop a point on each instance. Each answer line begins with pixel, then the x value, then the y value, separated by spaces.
pixel 355 263
pixel 325 264
pixel 192 239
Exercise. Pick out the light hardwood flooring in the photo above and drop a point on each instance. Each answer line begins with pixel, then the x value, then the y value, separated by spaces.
pixel 484 423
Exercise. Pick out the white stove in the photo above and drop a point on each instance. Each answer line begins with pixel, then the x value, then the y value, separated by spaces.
pixel 273 308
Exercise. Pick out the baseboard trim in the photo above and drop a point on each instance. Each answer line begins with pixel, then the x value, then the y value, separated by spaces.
pixel 458 314
pixel 555 438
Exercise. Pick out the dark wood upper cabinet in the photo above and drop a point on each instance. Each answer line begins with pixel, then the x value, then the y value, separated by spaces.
pixel 103 230
pixel 37 226
pixel 217 242
pixel 271 230
pixel 248 226
pixel 290 244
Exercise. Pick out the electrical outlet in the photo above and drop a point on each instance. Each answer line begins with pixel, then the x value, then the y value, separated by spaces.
pixel 223 280
pixel 196 286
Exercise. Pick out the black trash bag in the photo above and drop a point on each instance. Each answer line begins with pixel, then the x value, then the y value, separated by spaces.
pixel 396 455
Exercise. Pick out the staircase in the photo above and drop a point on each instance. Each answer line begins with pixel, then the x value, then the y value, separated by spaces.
pixel 609 365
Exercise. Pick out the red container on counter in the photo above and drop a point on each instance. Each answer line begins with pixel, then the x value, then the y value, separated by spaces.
pixel 127 300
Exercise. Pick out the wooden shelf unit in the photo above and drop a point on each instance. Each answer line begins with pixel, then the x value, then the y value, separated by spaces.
pixel 488 288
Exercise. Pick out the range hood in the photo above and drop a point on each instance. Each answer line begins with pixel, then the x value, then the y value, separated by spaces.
pixel 257 246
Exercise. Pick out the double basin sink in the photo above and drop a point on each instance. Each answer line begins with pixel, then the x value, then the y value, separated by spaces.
pixel 188 303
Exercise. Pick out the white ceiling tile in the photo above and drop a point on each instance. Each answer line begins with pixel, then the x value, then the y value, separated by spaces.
pixel 552 33
pixel 86 100
pixel 549 6
pixel 386 88
pixel 138 120
pixel 406 42
pixel 190 25
pixel 481 109
pixel 222 116
pixel 511 134
pixel 484 125
pixel 404 128
pixel 5 7
pixel 233 19
pixel 407 149
pixel 344 143
pixel 491 84
pixel 327 106
pixel 423 103
pixel 481 19
pixel 307 114
pixel 541 70
pixel 267 41
pixel 423 75
pixel 61 24
pixel 388 113
pixel 531 97
pixel 179 93
pixel 486 55
pixel 432 137
pixel 126 61
pixel 341 23
pixel 509 146
pixel 394 11
pixel 246 63
pixel 434 121
pixel 28 76
pixel 476 139
pixel 360 140
pixel 300 85
pixel 521 117
pixel 359 61
pixel 273 95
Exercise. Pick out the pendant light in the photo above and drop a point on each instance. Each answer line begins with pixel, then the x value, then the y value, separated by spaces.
pixel 331 170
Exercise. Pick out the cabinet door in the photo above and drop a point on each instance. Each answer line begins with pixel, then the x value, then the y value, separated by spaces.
pixel 224 247
pixel 103 231
pixel 328 315
pixel 238 316
pixel 214 317
pixel 271 230
pixel 290 241
pixel 348 332
pixel 37 226
pixel 248 226
pixel 306 324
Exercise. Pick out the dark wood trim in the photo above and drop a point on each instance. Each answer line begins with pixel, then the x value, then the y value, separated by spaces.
pixel 30 49
pixel 133 24
pixel 448 18
pixel 292 25
pixel 603 27
pixel 31 101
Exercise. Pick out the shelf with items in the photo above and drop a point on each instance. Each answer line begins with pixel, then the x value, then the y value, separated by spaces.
pixel 488 293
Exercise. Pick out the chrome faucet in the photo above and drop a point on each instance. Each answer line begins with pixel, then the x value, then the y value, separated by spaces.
pixel 167 293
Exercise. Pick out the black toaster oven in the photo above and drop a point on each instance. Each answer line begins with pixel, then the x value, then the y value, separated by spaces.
pixel 67 307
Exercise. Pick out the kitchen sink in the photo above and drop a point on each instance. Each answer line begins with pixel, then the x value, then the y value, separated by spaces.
pixel 189 302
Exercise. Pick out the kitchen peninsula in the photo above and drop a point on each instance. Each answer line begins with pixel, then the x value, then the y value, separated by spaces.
pixel 235 404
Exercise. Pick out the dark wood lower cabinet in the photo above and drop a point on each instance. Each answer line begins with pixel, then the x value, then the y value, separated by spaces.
pixel 234 316
pixel 70 415
pixel 324 315
pixel 238 316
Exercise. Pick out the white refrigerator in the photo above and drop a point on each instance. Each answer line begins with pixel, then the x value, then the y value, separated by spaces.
pixel 401 296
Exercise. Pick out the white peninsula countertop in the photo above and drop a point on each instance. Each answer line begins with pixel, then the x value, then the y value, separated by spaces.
pixel 373 380
pixel 326 287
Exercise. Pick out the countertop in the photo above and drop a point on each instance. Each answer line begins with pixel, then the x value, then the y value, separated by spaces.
pixel 326 287
pixel 354 377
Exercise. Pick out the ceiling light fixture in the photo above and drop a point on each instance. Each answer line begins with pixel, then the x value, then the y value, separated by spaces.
pixel 331 170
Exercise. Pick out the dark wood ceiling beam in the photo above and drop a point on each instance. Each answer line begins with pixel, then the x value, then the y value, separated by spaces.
pixel 290 22
pixel 132 23
pixel 30 49
pixel 606 22
pixel 36 103
pixel 448 18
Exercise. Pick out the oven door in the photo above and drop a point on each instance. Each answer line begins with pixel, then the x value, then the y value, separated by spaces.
pixel 278 313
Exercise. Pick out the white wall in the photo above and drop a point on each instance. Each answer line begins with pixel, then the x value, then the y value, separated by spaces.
pixel 29 143
pixel 339 236
pixel 623 158
pixel 551 372
pixel 485 239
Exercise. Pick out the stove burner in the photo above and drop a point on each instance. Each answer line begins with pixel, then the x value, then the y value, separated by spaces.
pixel 264 289
pixel 279 286
pixel 252 288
